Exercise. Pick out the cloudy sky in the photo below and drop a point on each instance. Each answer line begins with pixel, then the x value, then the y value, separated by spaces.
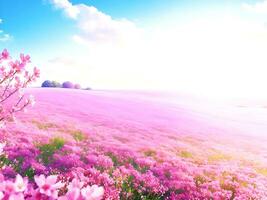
pixel 214 48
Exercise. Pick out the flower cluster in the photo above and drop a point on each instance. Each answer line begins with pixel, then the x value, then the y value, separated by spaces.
pixel 46 187
pixel 102 172
pixel 13 79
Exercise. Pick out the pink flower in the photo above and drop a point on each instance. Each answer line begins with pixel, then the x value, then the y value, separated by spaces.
pixel 49 185
pixel 20 184
pixel 11 82
pixel 17 66
pixel 25 59
pixel 73 190
pixel 18 196
pixel 5 55
pixel 75 183
pixel 8 187
pixel 72 194
pixel 31 100
pixel 2 145
pixel 2 125
pixel 36 72
pixel 93 192
pixel 2 69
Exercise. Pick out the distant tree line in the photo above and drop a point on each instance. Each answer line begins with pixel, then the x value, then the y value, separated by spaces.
pixel 66 84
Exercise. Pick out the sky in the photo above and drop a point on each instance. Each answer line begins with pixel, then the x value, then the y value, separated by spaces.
pixel 202 47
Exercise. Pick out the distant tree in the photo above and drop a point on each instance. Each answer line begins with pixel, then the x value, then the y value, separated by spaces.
pixel 47 83
pixel 67 84
pixel 56 84
pixel 77 86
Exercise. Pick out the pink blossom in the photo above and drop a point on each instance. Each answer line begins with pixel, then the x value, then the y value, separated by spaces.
pixel 36 72
pixel 72 194
pixel 31 100
pixel 18 196
pixel 20 184
pixel 11 82
pixel 5 55
pixel 2 145
pixel 93 192
pixel 25 59
pixel 49 185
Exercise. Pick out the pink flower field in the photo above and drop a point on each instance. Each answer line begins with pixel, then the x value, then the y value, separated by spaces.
pixel 78 144
pixel 133 100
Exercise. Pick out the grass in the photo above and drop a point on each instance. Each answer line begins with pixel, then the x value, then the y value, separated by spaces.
pixel 150 153
pixel 78 135
pixel 262 171
pixel 219 157
pixel 48 150
pixel 129 188
pixel 114 159
pixel 44 125
pixel 185 154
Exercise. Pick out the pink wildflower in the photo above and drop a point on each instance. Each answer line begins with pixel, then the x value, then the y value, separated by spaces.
pixel 49 185
pixel 20 184
pixel 93 192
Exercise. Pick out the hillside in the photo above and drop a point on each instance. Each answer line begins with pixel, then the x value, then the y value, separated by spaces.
pixel 177 142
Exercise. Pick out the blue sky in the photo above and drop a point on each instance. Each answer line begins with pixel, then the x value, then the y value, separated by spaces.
pixel 29 22
pixel 153 44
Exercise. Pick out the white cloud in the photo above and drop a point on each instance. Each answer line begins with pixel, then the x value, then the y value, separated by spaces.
pixel 4 36
pixel 216 56
pixel 96 27
pixel 259 7
pixel 70 10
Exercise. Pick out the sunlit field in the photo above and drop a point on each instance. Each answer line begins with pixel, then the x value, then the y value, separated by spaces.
pixel 141 145
pixel 133 100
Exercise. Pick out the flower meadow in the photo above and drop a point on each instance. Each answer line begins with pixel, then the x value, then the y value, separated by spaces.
pixel 93 145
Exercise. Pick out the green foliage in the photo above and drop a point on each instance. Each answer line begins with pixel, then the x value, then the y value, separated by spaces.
pixel 138 167
pixel 29 173
pixel 78 135
pixel 114 159
pixel 48 150
pixel 4 161
pixel 128 188
pixel 16 165
pixel 150 153
pixel 44 125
